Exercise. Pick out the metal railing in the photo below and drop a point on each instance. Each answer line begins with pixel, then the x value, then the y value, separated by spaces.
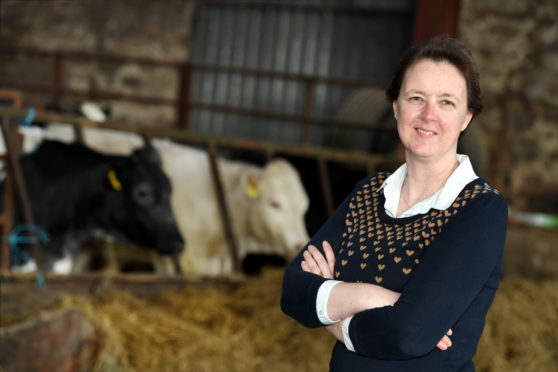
pixel 211 144
pixel 183 103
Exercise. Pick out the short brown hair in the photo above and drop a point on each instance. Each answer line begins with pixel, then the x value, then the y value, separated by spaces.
pixel 441 48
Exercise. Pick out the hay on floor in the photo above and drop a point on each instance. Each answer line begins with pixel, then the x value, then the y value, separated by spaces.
pixel 201 329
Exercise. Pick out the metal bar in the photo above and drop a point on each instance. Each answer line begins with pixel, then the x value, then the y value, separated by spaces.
pixel 47 88
pixel 299 118
pixel 199 66
pixel 86 56
pixel 142 285
pixel 307 116
pixel 222 202
pixel 198 138
pixel 184 96
pixel 325 183
pixel 375 7
pixel 20 185
pixel 7 223
pixel 78 133
pixel 56 79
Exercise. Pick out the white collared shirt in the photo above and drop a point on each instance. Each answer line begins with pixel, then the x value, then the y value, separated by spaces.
pixel 440 200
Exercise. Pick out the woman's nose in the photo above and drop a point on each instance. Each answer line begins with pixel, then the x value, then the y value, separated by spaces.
pixel 428 112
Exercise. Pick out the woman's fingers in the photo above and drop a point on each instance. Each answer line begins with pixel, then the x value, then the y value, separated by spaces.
pixel 444 343
pixel 315 262
pixel 311 262
pixel 320 261
pixel 330 257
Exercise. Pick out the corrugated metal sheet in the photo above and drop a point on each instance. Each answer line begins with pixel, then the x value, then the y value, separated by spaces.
pixel 345 39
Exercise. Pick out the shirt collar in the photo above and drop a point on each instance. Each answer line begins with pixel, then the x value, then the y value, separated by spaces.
pixel 440 200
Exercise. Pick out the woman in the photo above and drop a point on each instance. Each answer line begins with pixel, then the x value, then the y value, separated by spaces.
pixel 405 270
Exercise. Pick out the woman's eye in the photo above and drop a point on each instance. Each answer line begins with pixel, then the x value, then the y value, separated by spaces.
pixel 448 103
pixel 416 100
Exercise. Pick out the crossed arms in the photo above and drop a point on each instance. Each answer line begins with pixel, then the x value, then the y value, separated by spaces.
pixel 348 299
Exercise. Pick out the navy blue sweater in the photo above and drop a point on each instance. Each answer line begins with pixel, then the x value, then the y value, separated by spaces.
pixel 446 264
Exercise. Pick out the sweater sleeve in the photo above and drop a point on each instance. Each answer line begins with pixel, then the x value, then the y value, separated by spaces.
pixel 453 270
pixel 300 288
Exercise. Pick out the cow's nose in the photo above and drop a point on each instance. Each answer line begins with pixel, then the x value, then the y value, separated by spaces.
pixel 177 246
pixel 171 247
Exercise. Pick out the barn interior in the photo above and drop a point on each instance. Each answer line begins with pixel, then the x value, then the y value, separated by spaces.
pixel 236 86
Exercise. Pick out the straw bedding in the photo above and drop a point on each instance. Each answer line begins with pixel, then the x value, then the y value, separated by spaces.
pixel 204 329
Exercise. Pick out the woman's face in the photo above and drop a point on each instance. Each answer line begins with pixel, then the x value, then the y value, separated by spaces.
pixel 431 109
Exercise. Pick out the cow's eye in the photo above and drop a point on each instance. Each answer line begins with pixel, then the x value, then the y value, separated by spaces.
pixel 143 194
pixel 275 204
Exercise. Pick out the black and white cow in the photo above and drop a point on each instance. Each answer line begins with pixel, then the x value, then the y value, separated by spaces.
pixel 77 194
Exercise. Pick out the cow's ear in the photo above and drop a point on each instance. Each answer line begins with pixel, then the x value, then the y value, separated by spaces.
pixel 251 185
pixel 113 180
pixel 148 155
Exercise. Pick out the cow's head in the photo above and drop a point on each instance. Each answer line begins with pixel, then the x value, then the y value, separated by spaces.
pixel 139 203
pixel 278 203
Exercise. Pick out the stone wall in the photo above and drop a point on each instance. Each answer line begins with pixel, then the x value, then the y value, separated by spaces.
pixel 515 43
pixel 147 29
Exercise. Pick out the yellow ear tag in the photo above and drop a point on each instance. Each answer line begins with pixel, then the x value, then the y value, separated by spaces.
pixel 251 187
pixel 113 179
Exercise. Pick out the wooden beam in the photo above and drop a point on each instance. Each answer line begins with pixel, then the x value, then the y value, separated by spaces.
pixel 435 17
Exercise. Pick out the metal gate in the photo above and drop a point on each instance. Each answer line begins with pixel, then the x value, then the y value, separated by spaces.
pixel 292 60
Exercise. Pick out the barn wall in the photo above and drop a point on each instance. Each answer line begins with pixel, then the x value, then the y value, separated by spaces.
pixel 516 46
pixel 148 29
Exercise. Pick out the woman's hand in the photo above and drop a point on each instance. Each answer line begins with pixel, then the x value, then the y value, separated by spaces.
pixel 315 262
pixel 445 341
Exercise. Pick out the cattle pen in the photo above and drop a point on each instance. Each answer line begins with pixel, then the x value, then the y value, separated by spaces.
pixel 42 290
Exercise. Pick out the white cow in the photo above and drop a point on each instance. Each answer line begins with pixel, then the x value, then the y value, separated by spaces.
pixel 267 205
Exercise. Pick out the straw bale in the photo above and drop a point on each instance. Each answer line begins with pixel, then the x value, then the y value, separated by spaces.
pixel 205 329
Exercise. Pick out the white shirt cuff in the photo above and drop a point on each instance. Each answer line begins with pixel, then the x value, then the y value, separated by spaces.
pixel 346 339
pixel 321 301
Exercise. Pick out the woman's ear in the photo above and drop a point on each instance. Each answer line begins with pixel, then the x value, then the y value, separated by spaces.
pixel 394 106
pixel 467 120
